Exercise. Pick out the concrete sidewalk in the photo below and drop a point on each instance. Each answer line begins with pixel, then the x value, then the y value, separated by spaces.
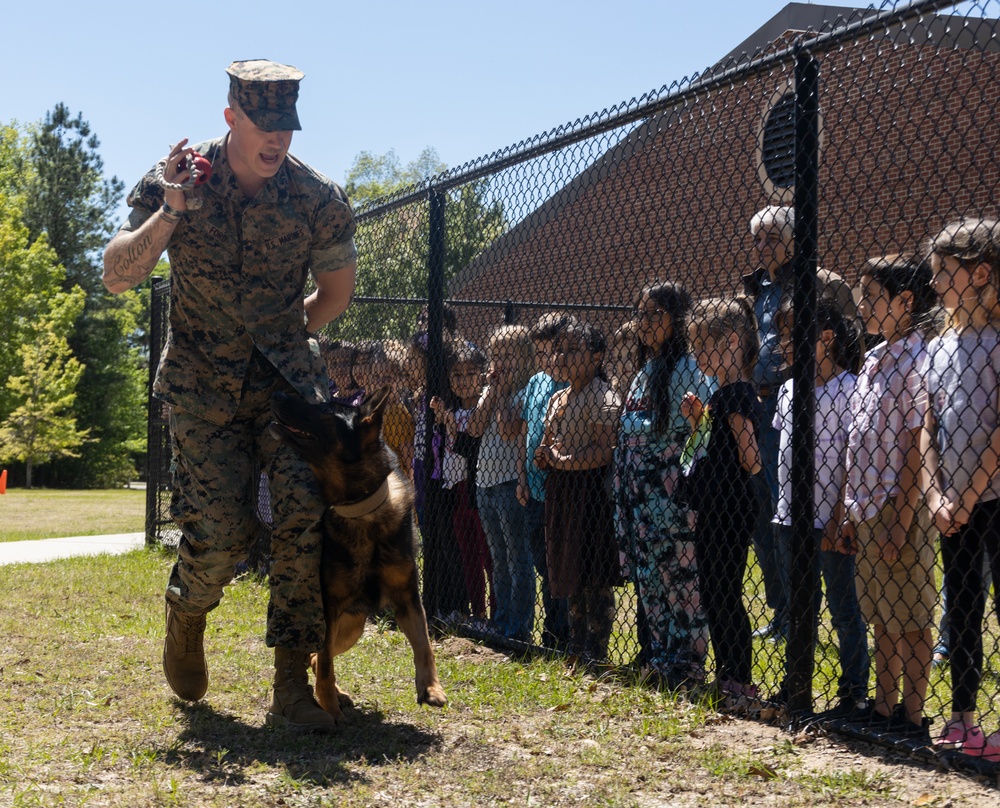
pixel 29 552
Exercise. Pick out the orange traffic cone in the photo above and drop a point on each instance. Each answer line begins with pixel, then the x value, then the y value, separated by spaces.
pixel 3 481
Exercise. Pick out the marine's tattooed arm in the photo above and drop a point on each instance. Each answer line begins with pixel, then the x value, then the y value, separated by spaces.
pixel 131 256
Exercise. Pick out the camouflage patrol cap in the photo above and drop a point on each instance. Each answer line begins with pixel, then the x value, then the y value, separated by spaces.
pixel 266 92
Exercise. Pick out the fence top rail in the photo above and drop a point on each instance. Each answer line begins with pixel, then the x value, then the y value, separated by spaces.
pixel 857 23
pixel 162 285
pixel 484 304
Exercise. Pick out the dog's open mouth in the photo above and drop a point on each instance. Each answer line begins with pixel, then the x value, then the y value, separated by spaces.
pixel 297 424
pixel 281 430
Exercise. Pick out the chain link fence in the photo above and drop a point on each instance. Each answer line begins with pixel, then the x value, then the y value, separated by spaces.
pixel 593 338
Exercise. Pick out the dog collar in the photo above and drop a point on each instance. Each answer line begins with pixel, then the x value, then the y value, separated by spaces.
pixel 363 507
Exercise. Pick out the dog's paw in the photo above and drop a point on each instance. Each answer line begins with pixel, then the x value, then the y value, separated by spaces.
pixel 332 699
pixel 344 699
pixel 432 695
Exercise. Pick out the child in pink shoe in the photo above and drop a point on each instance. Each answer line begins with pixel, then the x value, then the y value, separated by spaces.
pixel 961 451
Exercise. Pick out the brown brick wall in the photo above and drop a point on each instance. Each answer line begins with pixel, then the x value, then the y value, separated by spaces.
pixel 909 135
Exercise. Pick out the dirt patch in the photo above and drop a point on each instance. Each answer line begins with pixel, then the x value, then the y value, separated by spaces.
pixel 589 749
pixel 828 764
pixel 460 648
pixel 603 743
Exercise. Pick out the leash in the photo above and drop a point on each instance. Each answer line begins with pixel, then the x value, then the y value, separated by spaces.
pixel 363 507
pixel 199 168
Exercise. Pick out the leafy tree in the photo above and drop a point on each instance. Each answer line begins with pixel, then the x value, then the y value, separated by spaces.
pixel 30 273
pixel 43 425
pixel 376 176
pixel 144 293
pixel 111 397
pixel 14 164
pixel 393 249
pixel 70 201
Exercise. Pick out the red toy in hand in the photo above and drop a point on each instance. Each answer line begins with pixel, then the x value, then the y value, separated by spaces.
pixel 196 163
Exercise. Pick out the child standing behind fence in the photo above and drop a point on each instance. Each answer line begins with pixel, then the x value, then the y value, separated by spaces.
pixel 339 356
pixel 577 449
pixel 885 518
pixel 961 446
pixel 503 518
pixel 719 461
pixel 653 528
pixel 416 379
pixel 838 359
pixel 534 398
pixel 398 428
pixel 443 592
pixel 465 378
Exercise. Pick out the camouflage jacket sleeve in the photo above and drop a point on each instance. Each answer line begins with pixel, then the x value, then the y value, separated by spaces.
pixel 333 236
pixel 330 214
pixel 144 200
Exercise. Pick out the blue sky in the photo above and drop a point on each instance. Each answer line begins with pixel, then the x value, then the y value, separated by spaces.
pixel 467 78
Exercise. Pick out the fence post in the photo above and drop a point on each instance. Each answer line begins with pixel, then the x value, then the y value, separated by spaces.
pixel 800 647
pixel 509 313
pixel 436 371
pixel 435 294
pixel 152 457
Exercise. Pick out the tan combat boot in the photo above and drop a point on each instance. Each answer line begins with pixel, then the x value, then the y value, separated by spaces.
pixel 184 654
pixel 293 706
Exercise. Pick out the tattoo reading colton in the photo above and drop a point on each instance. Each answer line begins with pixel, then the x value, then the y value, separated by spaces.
pixel 139 253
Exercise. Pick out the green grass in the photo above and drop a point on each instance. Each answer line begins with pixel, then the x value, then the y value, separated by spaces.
pixel 39 514
pixel 44 514
pixel 856 786
pixel 49 514
pixel 90 721
pixel 95 722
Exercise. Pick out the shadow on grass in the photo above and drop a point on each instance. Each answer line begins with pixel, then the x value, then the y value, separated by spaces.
pixel 223 749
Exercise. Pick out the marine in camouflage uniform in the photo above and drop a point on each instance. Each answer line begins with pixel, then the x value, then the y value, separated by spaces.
pixel 241 248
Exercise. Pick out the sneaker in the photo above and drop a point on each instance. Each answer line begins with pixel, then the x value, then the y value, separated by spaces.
pixel 773 630
pixel 684 677
pixel 848 708
pixel 899 723
pixel 779 698
pixel 870 718
pixel 740 698
pixel 991 749
pixel 478 625
pixel 962 737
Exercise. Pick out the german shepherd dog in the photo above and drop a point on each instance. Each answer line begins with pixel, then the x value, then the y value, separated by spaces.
pixel 369 546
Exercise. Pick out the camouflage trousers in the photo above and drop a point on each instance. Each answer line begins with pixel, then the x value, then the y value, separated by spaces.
pixel 216 475
pixel 591 617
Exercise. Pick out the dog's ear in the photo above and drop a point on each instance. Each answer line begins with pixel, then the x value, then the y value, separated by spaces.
pixel 372 409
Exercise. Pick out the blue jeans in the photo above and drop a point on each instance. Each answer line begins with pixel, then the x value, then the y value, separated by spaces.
pixel 503 519
pixel 773 561
pixel 838 574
